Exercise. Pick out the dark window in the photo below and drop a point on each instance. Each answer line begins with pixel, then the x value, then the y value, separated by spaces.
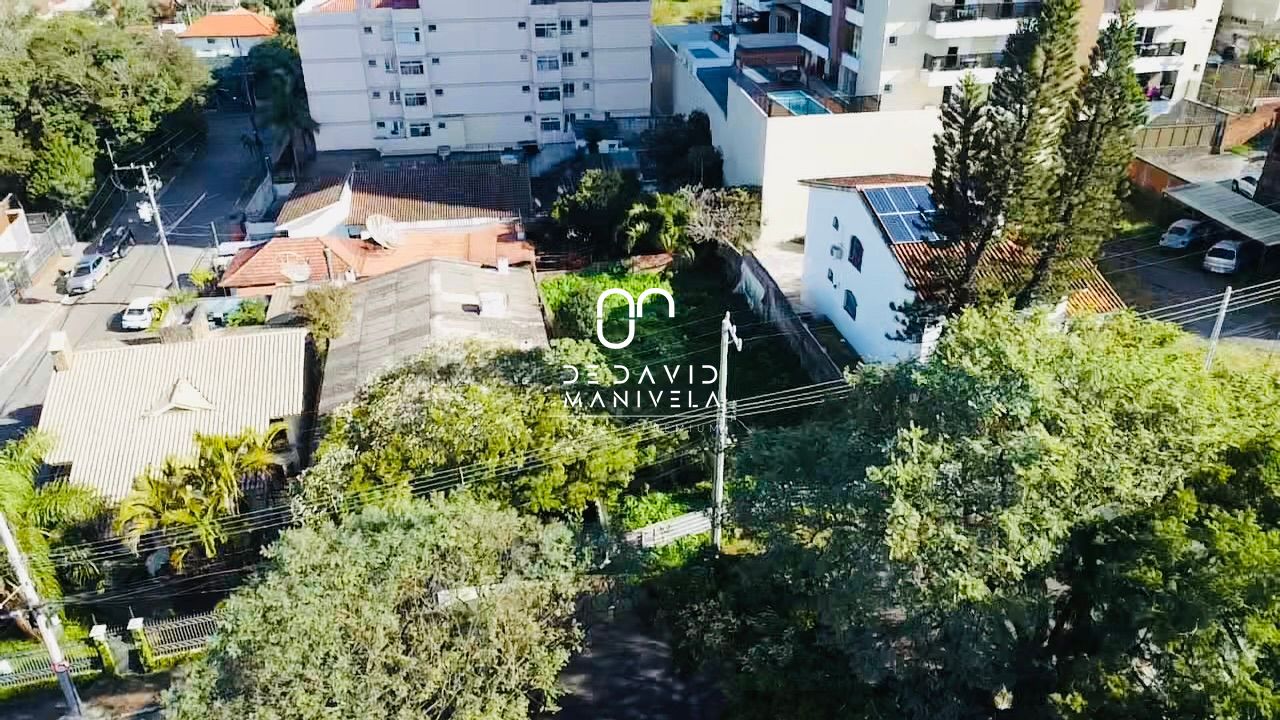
pixel 586 53
pixel 528 118
pixel 522 25
pixel 524 88
pixel 439 91
pixel 373 63
pixel 584 22
pixel 566 27
pixel 435 61
pixel 431 28
pixel 855 252
pixel 442 126
pixel 851 304
pixel 368 30
pixel 835 222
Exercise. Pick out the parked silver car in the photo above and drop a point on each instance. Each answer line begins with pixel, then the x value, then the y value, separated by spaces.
pixel 87 273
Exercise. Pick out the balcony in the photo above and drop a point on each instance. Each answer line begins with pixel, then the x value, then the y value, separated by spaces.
pixel 1169 49
pixel 1155 57
pixel 983 19
pixel 1142 6
pixel 787 92
pixel 944 70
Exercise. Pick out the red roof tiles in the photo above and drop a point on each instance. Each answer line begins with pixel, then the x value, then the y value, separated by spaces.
pixel 231 23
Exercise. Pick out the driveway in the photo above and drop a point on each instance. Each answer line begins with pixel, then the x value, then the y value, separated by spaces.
pixel 208 190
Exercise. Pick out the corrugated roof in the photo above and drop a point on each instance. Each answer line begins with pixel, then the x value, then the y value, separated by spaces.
pixel 930 268
pixel 397 315
pixel 231 23
pixel 109 414
pixel 446 191
pixel 1219 203
pixel 310 195
pixel 262 266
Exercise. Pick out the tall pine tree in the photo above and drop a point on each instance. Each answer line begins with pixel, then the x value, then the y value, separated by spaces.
pixel 1094 156
pixel 1024 118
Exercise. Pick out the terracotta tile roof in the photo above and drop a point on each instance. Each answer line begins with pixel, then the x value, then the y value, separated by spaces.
pixel 231 23
pixel 929 267
pixel 857 182
pixel 310 195
pixel 260 267
pixel 447 191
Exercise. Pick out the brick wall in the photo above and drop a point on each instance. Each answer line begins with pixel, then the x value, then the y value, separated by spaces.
pixel 1152 177
pixel 1243 128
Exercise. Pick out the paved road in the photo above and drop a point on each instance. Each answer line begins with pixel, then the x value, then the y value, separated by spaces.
pixel 206 191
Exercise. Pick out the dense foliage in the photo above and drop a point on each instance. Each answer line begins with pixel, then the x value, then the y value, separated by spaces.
pixel 68 85
pixel 497 414
pixel 683 154
pixel 326 310
pixel 1037 523
pixel 594 213
pixel 373 619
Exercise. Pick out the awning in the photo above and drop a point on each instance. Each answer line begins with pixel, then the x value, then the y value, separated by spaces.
pixel 1218 202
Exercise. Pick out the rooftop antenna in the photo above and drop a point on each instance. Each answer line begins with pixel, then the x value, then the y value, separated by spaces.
pixel 382 230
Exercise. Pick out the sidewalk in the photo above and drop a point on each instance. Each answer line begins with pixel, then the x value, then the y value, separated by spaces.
pixel 22 323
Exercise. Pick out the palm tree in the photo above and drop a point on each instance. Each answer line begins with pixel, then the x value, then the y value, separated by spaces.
pixel 40 516
pixel 188 499
pixel 289 112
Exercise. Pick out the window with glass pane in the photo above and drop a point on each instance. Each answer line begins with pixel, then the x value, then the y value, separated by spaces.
pixel 548 62
pixel 545 30
pixel 415 99
pixel 550 124
pixel 419 130
pixel 408 35
pixel 855 252
pixel 566 27
pixel 566 59
pixel 568 89
pixel 851 305
pixel 411 67
pixel 549 94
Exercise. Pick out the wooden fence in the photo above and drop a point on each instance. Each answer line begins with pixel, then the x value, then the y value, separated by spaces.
pixel 1156 137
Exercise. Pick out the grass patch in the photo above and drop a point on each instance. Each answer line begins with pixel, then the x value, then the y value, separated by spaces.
pixel 677 12
pixel 637 511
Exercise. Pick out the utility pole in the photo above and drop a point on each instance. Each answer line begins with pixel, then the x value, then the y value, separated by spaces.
pixel 728 333
pixel 59 663
pixel 1217 328
pixel 155 214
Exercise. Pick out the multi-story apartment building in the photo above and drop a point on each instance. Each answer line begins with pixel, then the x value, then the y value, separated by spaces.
pixel 909 52
pixel 415 76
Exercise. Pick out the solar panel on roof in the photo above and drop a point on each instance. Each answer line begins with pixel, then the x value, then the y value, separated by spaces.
pixel 924 200
pixel 880 202
pixel 897 228
pixel 901 199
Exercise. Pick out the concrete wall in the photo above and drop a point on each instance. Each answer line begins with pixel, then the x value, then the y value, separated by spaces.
pixel 222 47
pixel 879 283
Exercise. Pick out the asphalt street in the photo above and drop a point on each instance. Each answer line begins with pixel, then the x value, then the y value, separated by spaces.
pixel 207 190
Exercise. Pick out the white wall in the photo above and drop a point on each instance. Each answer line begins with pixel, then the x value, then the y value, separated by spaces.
pixel 325 221
pixel 879 283
pixel 17 236
pixel 222 47
pixel 816 146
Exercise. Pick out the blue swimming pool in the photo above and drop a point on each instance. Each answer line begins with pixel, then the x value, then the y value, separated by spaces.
pixel 798 102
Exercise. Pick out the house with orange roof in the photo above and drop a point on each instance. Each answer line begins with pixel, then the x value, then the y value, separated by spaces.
pixel 228 34
pixel 870 251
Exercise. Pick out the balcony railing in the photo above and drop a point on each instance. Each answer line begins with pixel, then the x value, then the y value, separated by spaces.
pixel 1152 5
pixel 972 61
pixel 984 11
pixel 818 91
pixel 1169 49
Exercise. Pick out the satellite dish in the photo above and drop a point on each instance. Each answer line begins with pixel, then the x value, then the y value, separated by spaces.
pixel 294 267
pixel 382 230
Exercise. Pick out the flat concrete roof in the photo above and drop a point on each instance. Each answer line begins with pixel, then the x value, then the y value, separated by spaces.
pixel 1219 203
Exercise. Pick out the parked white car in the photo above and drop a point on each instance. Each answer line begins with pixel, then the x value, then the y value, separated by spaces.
pixel 88 272
pixel 138 315
pixel 1228 256
pixel 1246 185
pixel 1185 233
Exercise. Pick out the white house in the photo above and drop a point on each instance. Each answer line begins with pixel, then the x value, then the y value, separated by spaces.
pixel 409 76
pixel 869 251
pixel 228 34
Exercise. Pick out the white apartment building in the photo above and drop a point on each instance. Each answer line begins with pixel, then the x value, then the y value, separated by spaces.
pixel 909 52
pixel 1244 19
pixel 410 76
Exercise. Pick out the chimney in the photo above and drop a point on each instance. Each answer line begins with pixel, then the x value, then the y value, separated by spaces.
pixel 60 351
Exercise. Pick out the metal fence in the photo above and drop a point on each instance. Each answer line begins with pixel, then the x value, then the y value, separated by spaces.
pixel 669 531
pixel 48 238
pixel 180 635
pixel 34 667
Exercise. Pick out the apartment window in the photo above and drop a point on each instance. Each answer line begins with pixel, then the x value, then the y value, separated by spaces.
pixel 888 87
pixel 419 129
pixel 525 89
pixel 568 89
pixel 893 39
pixel 442 126
pixel 393 97
pixel 377 94
pixel 851 305
pixel 373 62
pixel 397 128
pixel 439 92
pixel 855 252
pixel 408 35
pixel 528 118
pixel 835 223
pixel 548 62
pixel 586 86
pixel 569 118
pixel 431 28
pixel 586 54
pixel 522 25
pixel 386 65
pixel 566 27
pixel 415 99
pixel 524 57
pixel 545 30
pixel 549 94
pixel 411 67
pixel 853 39
pixel 380 125
pixel 368 29
pixel 566 59
pixel 550 124
pixel 584 22
pixel 211 41
pixel 586 116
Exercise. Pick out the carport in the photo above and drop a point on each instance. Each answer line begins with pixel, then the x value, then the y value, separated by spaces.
pixel 1219 203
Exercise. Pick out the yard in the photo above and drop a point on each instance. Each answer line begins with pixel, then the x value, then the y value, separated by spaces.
pixel 676 12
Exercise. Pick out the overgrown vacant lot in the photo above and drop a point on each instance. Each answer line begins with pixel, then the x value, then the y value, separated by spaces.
pixel 671 12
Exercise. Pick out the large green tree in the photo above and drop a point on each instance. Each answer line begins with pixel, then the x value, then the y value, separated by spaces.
pixel 69 84
pixel 940 544
pixel 1093 162
pixel 498 414
pixel 40 516
pixel 594 214
pixel 442 609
